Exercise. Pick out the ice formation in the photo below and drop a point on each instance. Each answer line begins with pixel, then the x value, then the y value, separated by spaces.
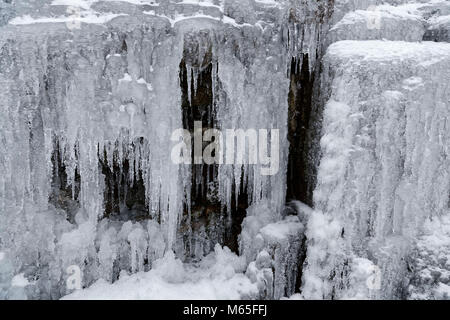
pixel 385 164
pixel 91 92
pixel 384 167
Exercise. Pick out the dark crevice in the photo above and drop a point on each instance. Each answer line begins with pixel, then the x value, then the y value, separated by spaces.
pixel 64 196
pixel 301 261
pixel 204 217
pixel 304 132
pixel 207 213
pixel 299 186
pixel 124 196
pixel 238 213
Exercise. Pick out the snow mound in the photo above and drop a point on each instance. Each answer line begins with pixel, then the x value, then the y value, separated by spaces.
pixel 218 276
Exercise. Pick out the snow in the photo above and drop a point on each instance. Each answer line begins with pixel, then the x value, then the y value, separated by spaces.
pixel 389 51
pixel 20 281
pixel 180 17
pixel 219 276
pixel 382 22
pixel 267 2
pixel 392 20
pixel 86 4
pixel 126 78
pixel 384 11
pixel 148 85
pixel 280 230
pixel 89 18
pixel 201 3
pixel 439 20
pixel 233 22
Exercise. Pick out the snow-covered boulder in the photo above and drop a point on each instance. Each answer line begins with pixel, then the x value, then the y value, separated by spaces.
pixel 273 250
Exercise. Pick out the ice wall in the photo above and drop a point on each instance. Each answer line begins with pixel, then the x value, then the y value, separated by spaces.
pixel 90 95
pixel 384 167
pixel 275 249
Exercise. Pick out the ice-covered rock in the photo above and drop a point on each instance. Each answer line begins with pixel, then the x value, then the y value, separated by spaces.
pixel 439 29
pixel 342 7
pixel 273 251
pixel 403 20
pixel 90 95
pixel 385 161
pixel 402 23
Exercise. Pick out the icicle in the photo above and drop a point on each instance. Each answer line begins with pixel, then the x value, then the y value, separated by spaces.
pixel 102 114
pixel 195 79
pixel 189 79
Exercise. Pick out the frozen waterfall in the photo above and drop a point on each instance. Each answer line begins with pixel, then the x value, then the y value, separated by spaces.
pixel 91 92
